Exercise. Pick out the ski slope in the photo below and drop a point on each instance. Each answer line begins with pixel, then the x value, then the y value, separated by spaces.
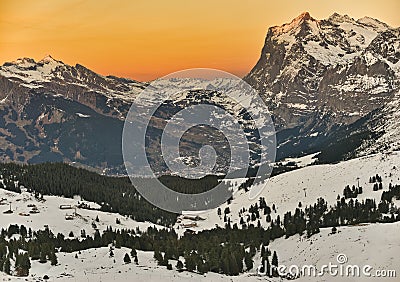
pixel 373 244
pixel 306 185
pixel 51 215
pixel 377 245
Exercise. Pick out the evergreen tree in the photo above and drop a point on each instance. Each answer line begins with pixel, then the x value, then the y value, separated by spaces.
pixel 42 258
pixel 53 258
pixel 127 258
pixel 248 260
pixel 233 266
pixel 7 266
pixel 274 261
pixel 133 252
pixel 190 263
pixel 22 264
pixel 158 257
pixel 179 265
pixel 268 267
pixel 227 211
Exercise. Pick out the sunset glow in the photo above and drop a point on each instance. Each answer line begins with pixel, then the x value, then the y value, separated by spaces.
pixel 146 39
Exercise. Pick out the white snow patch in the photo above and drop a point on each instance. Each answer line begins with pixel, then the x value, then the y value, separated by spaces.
pixel 82 115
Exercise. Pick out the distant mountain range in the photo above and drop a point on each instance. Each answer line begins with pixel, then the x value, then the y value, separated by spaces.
pixel 51 111
pixel 332 87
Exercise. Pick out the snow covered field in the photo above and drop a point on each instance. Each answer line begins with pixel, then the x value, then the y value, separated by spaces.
pixel 377 245
pixel 96 265
pixel 307 184
pixel 50 214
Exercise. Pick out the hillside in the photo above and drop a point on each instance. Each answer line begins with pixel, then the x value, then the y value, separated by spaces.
pixel 359 242
pixel 70 218
pixel 306 185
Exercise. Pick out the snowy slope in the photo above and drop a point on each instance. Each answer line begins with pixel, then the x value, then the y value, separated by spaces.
pixel 96 265
pixel 50 214
pixel 376 245
pixel 307 184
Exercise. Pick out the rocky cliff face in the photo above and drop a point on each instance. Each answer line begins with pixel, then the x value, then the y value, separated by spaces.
pixel 339 66
pixel 321 77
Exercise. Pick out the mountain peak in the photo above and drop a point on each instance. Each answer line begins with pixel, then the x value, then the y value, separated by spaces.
pixel 294 24
pixel 48 59
pixel 374 23
pixel 303 16
pixel 24 62
pixel 335 17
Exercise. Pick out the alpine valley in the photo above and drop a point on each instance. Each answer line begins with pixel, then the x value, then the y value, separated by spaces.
pixel 70 213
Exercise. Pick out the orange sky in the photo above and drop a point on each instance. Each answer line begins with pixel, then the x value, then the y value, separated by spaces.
pixel 145 39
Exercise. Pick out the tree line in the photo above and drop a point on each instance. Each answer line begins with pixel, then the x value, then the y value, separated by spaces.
pixel 113 194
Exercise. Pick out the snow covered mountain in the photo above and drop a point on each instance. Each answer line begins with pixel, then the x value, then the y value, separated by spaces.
pixel 339 65
pixel 333 87
pixel 51 111
pixel 327 83
pixel 321 78
pixel 55 112
pixel 74 82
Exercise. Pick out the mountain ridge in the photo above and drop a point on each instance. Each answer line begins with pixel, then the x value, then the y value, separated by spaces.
pixel 318 77
pixel 313 58
pixel 321 76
